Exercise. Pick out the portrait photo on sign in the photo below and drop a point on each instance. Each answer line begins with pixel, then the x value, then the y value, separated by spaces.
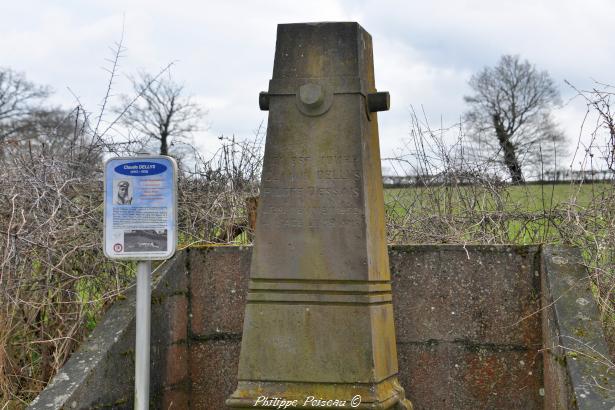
pixel 122 191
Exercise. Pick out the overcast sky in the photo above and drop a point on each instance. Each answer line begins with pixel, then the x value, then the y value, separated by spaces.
pixel 425 51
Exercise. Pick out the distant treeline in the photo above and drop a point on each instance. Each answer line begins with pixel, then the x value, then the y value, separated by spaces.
pixel 448 178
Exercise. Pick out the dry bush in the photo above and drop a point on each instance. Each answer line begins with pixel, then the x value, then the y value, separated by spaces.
pixel 593 227
pixel 53 276
pixel 55 281
pixel 214 192
pixel 460 199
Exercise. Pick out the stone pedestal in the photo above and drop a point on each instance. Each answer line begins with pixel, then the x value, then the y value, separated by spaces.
pixel 319 316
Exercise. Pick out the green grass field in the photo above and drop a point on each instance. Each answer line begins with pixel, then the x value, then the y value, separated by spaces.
pixel 530 198
pixel 512 214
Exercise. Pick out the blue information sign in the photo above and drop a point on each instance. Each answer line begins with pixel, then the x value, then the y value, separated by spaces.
pixel 140 208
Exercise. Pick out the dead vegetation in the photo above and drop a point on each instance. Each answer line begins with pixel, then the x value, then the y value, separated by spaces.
pixel 468 200
pixel 55 281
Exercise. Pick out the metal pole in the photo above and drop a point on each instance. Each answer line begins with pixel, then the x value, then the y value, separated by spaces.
pixel 142 345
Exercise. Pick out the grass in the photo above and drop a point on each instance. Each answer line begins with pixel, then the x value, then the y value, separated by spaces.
pixel 530 198
pixel 526 214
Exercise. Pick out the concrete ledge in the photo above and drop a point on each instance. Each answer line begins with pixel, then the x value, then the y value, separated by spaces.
pixel 577 363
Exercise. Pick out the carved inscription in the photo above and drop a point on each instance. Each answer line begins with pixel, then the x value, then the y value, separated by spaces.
pixel 298 167
pixel 305 191
pixel 313 218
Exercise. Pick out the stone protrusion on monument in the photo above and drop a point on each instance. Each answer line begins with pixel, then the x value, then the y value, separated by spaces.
pixel 319 314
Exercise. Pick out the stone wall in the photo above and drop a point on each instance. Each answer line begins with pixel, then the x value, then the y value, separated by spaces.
pixel 466 334
pixel 468 320
pixel 218 289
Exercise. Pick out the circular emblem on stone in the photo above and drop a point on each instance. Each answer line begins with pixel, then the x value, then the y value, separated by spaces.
pixel 117 247
pixel 313 99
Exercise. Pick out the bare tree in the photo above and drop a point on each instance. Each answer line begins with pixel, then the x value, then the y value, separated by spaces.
pixel 510 115
pixel 55 131
pixel 162 113
pixel 18 99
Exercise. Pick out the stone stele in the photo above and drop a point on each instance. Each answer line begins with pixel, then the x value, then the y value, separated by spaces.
pixel 319 316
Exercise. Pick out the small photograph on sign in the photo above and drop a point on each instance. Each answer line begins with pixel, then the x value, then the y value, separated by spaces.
pixel 122 191
pixel 146 240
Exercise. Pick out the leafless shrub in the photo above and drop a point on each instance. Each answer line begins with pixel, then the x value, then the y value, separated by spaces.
pixel 594 226
pixel 455 199
pixel 214 192
pixel 55 281
pixel 459 199
pixel 599 123
pixel 53 276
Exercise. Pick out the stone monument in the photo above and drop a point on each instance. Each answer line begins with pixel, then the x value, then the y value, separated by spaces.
pixel 318 326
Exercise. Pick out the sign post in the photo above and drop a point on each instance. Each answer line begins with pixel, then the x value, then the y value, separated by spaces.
pixel 142 339
pixel 140 223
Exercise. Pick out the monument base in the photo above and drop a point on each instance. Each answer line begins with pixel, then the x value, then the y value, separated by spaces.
pixel 385 395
